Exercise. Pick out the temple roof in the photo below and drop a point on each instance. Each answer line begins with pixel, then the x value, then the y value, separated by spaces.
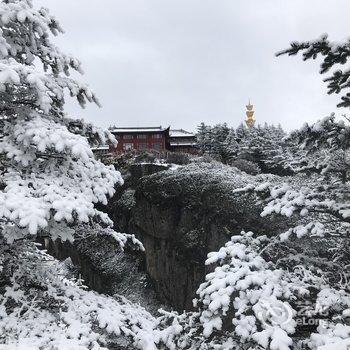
pixel 182 143
pixel 138 129
pixel 180 133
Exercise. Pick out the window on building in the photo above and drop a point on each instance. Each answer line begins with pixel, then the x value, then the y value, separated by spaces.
pixel 128 137
pixel 143 146
pixel 157 136
pixel 157 146
pixel 142 136
pixel 128 146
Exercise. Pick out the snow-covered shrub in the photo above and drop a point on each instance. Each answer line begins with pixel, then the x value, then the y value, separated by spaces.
pixel 178 158
pixel 41 309
pixel 322 210
pixel 247 302
pixel 246 166
pixel 205 158
pixel 250 295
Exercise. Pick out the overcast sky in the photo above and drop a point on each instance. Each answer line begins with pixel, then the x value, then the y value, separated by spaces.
pixel 181 62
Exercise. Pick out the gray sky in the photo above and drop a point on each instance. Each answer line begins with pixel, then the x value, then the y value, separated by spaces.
pixel 180 62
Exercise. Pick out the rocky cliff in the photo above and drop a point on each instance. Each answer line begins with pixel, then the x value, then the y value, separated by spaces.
pixel 181 215
pixel 107 269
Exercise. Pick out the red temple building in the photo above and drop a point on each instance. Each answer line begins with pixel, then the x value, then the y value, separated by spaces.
pixel 141 139
pixel 153 139
pixel 182 141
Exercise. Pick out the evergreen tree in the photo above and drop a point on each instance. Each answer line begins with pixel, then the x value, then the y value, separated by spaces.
pixel 265 146
pixel 231 146
pixel 51 177
pixel 204 138
pixel 50 183
pixel 260 145
pixel 241 132
pixel 278 151
pixel 219 134
pixel 326 146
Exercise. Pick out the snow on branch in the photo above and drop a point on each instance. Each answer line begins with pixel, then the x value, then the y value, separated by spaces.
pixel 244 283
pixel 333 54
pixel 42 309
pixel 34 27
pixel 124 238
pixel 47 87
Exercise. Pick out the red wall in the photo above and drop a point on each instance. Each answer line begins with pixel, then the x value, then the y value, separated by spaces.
pixel 150 141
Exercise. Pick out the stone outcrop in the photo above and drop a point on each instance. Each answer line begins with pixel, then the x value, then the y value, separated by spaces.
pixel 107 269
pixel 181 215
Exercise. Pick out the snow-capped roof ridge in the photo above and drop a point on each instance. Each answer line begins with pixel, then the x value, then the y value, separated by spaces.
pixel 180 133
pixel 139 129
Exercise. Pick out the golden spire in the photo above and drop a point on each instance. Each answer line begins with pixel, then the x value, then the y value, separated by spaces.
pixel 250 121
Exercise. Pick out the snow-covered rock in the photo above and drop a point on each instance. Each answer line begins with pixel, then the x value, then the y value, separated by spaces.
pixel 181 215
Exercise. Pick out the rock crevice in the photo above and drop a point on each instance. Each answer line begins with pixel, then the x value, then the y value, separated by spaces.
pixel 181 215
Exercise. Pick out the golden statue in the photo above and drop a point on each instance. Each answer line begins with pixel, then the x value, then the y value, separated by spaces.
pixel 250 121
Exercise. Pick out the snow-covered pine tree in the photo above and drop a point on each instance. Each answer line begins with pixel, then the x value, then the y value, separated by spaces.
pixel 255 145
pixel 333 53
pixel 231 146
pixel 211 140
pixel 204 138
pixel 250 145
pixel 278 151
pixel 326 146
pixel 321 204
pixel 50 177
pixel 49 182
pixel 219 133
pixel 241 131
pixel 264 146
